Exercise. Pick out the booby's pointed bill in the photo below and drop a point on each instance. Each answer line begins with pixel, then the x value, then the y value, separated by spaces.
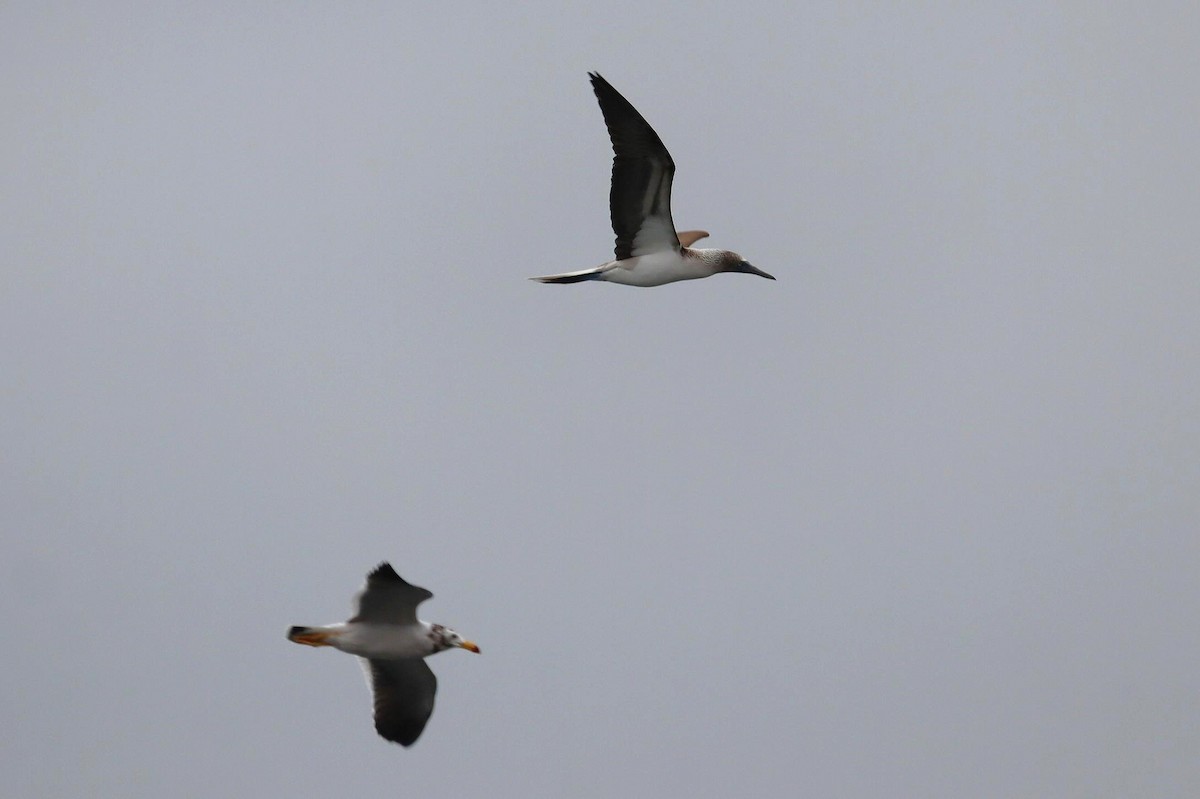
pixel 640 198
pixel 751 269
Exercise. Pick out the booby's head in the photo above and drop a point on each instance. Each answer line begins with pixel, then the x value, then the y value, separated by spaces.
pixel 717 261
pixel 312 636
pixel 445 638
pixel 737 263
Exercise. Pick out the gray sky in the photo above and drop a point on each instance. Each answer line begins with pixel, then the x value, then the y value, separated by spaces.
pixel 918 519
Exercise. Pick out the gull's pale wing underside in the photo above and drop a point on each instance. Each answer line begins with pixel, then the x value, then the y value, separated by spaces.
pixel 388 599
pixel 640 199
pixel 403 692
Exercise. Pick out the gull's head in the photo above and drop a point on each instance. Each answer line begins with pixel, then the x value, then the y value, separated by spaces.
pixel 312 636
pixel 445 638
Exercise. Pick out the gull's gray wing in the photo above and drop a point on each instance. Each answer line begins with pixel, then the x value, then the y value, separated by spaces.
pixel 388 599
pixel 403 691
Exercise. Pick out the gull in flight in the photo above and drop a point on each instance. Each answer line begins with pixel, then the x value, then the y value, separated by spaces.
pixel 393 644
pixel 649 251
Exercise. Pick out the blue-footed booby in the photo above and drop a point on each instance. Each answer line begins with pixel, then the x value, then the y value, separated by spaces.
pixel 393 644
pixel 649 251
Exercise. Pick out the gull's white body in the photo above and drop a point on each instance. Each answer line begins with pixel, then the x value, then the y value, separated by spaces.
pixel 382 641
pixel 393 644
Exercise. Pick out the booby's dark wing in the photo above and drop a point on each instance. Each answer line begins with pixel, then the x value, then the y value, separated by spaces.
pixel 640 199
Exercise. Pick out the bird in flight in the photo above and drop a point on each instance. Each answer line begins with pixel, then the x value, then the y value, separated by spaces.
pixel 393 644
pixel 649 251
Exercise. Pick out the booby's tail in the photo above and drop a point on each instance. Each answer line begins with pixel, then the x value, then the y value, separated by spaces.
pixel 596 273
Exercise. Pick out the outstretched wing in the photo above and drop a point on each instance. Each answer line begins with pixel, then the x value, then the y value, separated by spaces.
pixel 403 692
pixel 388 599
pixel 640 199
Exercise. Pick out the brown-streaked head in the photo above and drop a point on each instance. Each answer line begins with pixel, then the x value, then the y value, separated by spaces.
pixel 452 639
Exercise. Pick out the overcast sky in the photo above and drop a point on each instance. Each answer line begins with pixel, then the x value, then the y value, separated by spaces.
pixel 918 519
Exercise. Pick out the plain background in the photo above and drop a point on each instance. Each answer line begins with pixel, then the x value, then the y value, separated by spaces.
pixel 917 519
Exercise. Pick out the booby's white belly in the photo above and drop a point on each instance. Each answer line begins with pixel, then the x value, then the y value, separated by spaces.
pixel 655 269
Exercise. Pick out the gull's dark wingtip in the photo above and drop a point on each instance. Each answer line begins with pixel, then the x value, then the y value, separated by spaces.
pixel 383 571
